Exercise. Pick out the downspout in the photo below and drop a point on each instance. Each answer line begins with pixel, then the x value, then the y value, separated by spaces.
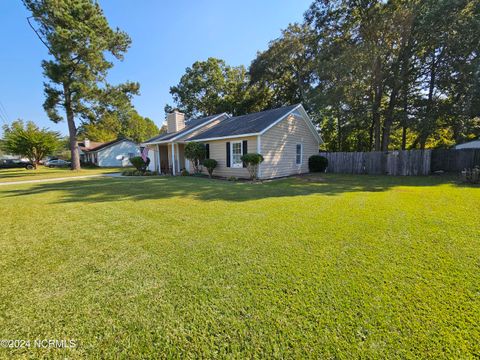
pixel 259 151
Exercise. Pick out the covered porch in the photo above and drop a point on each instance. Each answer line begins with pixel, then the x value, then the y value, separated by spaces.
pixel 168 158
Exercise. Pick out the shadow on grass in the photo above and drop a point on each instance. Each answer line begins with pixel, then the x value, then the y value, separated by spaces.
pixel 117 189
pixel 7 174
pixel 32 174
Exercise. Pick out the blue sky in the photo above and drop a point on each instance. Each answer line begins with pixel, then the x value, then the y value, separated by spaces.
pixel 167 36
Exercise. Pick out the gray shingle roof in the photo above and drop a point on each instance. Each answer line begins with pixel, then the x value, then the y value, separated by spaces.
pixel 189 124
pixel 244 124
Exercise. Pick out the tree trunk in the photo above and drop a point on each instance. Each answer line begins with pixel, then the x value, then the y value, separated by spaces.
pixel 377 100
pixel 429 117
pixel 72 130
pixel 405 112
pixel 387 125
pixel 339 126
pixel 403 62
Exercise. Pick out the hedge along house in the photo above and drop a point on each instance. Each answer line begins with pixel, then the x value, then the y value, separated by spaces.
pixel 286 137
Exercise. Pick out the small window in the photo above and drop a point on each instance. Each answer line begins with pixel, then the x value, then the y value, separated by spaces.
pixel 237 155
pixel 299 154
pixel 131 155
pixel 207 151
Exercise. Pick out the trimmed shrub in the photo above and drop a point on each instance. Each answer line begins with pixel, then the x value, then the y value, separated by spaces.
pixel 185 173
pixel 139 164
pixel 252 161
pixel 195 152
pixel 317 163
pixel 210 164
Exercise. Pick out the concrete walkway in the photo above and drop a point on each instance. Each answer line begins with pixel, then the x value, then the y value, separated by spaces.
pixel 58 179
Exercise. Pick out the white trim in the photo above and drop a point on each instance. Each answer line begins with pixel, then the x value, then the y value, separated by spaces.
pixel 201 125
pixel 178 157
pixel 173 159
pixel 186 132
pixel 301 154
pixel 305 117
pixel 259 151
pixel 227 137
pixel 278 120
pixel 299 107
pixel 159 160
pixel 231 154
pixel 310 124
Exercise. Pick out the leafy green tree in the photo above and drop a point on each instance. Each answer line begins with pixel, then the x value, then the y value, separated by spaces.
pixel 108 128
pixel 139 128
pixel 286 69
pixel 119 125
pixel 78 37
pixel 402 67
pixel 28 140
pixel 212 87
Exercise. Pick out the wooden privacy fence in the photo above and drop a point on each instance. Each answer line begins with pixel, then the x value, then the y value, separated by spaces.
pixel 454 160
pixel 401 162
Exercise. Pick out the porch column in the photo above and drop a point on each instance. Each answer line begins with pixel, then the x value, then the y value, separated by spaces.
pixel 173 159
pixel 178 157
pixel 159 160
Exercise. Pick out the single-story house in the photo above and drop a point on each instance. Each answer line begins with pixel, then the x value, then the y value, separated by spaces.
pixel 474 144
pixel 112 153
pixel 286 137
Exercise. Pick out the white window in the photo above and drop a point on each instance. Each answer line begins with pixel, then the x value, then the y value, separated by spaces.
pixel 236 157
pixel 299 156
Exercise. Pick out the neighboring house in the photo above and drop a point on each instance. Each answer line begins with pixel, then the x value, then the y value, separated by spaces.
pixel 286 137
pixel 474 144
pixel 113 153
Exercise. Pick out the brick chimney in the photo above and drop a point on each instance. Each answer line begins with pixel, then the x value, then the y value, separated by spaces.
pixel 175 121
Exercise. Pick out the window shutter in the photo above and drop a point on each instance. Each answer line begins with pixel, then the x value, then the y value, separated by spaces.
pixel 245 150
pixel 207 151
pixel 228 154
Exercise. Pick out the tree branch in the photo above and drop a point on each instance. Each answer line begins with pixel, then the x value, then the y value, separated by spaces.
pixel 38 35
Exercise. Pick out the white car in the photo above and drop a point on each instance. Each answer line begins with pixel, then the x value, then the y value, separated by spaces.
pixel 57 163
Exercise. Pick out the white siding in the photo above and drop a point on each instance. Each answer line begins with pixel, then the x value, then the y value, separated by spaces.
pixel 278 147
pixel 108 156
pixel 218 151
pixel 152 155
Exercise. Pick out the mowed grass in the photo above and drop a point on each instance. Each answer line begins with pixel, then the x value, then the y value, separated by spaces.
pixel 43 172
pixel 336 267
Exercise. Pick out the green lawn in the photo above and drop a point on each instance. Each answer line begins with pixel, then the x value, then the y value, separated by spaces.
pixel 9 175
pixel 339 268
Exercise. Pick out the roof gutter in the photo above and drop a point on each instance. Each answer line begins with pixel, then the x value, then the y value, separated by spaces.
pixel 226 137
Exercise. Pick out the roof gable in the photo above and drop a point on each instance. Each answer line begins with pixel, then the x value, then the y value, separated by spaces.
pixel 108 144
pixel 190 125
pixel 245 124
